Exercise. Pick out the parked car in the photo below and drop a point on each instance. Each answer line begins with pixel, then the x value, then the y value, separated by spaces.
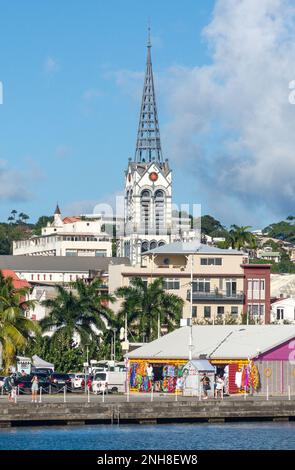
pixel 59 380
pixel 78 380
pixel 24 383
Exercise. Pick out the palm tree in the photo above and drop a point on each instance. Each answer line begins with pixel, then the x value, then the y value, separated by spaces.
pixel 79 310
pixel 240 236
pixel 15 329
pixel 148 306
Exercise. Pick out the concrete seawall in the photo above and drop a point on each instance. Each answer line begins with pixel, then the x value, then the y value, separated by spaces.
pixel 144 412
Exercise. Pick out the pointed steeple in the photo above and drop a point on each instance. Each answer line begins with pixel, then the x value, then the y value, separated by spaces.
pixel 148 145
pixel 57 210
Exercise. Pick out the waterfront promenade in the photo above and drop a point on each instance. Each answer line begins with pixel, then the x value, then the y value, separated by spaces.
pixel 80 409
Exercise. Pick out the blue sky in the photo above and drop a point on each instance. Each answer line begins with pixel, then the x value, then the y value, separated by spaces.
pixel 72 79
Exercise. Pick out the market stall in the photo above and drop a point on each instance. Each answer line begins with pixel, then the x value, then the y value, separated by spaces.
pixel 193 372
pixel 159 374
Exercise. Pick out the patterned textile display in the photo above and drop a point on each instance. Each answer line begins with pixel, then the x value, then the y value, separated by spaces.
pixel 254 376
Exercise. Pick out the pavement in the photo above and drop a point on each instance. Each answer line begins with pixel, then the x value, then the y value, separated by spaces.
pixel 133 397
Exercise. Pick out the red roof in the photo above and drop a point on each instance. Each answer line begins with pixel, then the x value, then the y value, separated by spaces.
pixel 70 220
pixel 17 282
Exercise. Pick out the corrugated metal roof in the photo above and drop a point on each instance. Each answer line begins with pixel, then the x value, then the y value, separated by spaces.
pixel 201 365
pixel 217 342
pixel 59 263
pixel 192 247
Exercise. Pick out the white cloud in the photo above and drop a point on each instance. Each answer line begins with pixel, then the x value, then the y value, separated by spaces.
pixel 14 184
pixel 92 94
pixel 50 65
pixel 233 124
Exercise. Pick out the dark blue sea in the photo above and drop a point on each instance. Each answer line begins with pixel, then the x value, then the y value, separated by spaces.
pixel 165 436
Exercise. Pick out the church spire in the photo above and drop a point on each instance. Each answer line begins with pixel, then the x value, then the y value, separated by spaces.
pixel 148 145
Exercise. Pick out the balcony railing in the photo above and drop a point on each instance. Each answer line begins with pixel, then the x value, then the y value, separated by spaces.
pixel 217 296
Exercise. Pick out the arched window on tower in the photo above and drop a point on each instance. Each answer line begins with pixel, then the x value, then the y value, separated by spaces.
pixel 144 246
pixel 131 205
pixel 159 211
pixel 127 206
pixel 153 244
pixel 145 206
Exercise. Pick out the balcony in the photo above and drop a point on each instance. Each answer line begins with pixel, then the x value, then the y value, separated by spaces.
pixel 217 296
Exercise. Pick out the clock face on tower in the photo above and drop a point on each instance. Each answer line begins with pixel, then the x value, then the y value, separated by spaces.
pixel 153 176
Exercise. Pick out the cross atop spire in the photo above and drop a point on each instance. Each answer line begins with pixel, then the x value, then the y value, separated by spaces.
pixel 148 145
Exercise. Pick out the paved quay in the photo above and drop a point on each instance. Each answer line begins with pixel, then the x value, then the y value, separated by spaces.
pixel 141 409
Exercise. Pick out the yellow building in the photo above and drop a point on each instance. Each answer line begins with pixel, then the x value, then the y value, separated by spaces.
pixel 217 277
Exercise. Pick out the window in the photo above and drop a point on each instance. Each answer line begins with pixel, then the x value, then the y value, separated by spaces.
pixel 32 277
pixel 171 284
pixel 153 244
pixel 211 261
pixel 231 287
pixel 194 312
pixel 159 210
pixel 44 277
pixel 71 253
pixel 201 285
pixel 144 246
pixel 220 310
pixel 145 210
pixel 50 277
pixel 280 314
pixel 100 253
pixel 207 312
pixel 234 311
pixel 145 281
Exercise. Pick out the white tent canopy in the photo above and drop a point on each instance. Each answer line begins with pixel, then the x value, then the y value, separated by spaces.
pixel 40 363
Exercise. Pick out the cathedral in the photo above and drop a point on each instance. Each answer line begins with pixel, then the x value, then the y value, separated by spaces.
pixel 148 217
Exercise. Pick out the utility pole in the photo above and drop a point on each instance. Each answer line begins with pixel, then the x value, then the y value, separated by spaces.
pixel 191 311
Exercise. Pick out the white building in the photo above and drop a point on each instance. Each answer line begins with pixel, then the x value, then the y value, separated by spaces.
pixel 69 236
pixel 283 310
pixel 40 270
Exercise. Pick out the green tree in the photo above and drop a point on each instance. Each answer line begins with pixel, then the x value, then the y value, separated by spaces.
pixel 78 311
pixel 15 329
pixel 240 236
pixel 211 226
pixel 147 305
pixel 42 222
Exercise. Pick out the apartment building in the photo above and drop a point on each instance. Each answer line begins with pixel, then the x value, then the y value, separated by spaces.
pixel 214 283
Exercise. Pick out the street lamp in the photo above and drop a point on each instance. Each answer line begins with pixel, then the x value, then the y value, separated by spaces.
pixel 114 352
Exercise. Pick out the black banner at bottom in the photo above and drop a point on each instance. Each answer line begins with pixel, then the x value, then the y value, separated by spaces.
pixel 134 459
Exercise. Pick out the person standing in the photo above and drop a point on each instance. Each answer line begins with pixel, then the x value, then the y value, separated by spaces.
pixel 8 386
pixel 206 385
pixel 219 387
pixel 34 388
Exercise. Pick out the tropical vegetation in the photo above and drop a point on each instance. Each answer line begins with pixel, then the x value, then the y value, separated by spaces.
pixel 16 331
pixel 148 308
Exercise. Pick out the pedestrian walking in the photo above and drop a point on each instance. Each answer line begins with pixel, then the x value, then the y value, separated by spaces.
pixel 34 388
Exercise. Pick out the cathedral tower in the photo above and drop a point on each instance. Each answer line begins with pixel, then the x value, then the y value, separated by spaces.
pixel 148 181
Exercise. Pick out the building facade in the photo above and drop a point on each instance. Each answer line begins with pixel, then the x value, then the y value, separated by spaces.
pixel 214 283
pixel 283 311
pixel 69 236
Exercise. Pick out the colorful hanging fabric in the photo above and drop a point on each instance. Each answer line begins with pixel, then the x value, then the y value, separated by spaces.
pixel 254 376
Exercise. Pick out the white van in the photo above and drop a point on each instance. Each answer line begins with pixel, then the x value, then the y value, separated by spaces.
pixel 104 381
